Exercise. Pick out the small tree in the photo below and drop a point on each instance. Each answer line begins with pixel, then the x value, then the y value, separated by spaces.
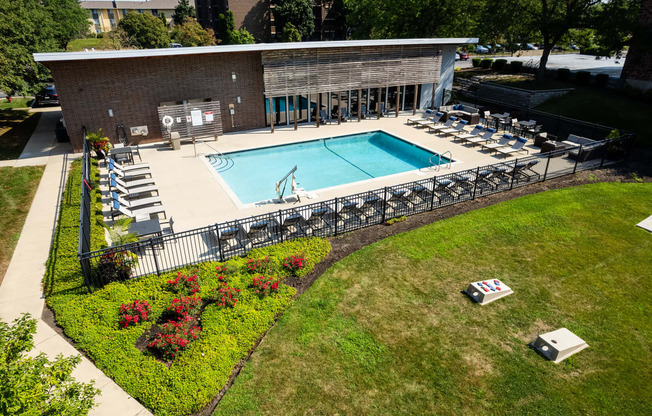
pixel 118 38
pixel 164 19
pixel 145 30
pixel 242 36
pixel 290 33
pixel 227 33
pixel 190 33
pixel 297 12
pixel 36 385
pixel 182 11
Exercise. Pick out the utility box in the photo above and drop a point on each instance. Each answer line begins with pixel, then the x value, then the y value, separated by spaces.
pixel 175 140
pixel 559 345
pixel 488 291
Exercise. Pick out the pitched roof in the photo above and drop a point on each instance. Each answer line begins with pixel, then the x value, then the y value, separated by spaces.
pixel 130 5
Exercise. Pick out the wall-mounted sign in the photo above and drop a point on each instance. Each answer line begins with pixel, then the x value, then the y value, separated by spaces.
pixel 178 119
pixel 196 117
pixel 209 116
pixel 138 131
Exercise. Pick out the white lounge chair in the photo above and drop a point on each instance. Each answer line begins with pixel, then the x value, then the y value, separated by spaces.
pixel 136 203
pixel 432 121
pixel 427 115
pixel 138 214
pixel 474 133
pixel 455 130
pixel 503 142
pixel 444 126
pixel 135 191
pixel 128 167
pixel 129 182
pixel 516 148
pixel 486 137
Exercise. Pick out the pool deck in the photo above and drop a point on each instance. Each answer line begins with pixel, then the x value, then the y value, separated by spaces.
pixel 195 196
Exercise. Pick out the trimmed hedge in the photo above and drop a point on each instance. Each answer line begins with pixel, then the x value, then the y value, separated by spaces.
pixel 563 74
pixel 499 64
pixel 486 63
pixel 476 62
pixel 201 370
pixel 601 80
pixel 516 66
pixel 583 77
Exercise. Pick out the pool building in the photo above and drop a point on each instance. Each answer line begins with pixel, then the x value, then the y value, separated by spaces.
pixel 146 95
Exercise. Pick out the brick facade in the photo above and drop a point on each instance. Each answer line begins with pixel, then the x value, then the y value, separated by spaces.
pixel 134 87
pixel 638 65
pixel 252 15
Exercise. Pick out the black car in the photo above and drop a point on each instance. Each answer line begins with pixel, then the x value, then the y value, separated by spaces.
pixel 47 96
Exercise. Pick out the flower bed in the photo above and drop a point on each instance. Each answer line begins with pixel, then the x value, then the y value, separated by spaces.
pixel 204 360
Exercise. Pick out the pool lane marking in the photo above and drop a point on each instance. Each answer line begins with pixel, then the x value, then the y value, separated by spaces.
pixel 344 159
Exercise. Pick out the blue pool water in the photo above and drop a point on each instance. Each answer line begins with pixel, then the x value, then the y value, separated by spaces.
pixel 252 174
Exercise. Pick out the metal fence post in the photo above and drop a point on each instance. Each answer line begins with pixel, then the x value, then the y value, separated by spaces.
pixel 511 185
pixel 579 152
pixel 219 242
pixel 432 197
pixel 280 223
pixel 336 221
pixel 545 173
pixel 384 205
pixel 475 183
pixel 151 246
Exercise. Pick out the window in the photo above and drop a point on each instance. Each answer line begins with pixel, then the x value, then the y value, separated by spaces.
pixel 124 12
pixel 111 18
pixel 96 16
pixel 155 12
pixel 141 11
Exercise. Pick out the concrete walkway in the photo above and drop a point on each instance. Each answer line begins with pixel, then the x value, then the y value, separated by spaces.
pixel 21 289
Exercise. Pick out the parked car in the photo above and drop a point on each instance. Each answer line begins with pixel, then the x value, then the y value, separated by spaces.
pixel 481 49
pixel 574 47
pixel 461 55
pixel 557 48
pixel 47 96
pixel 530 47
pixel 176 45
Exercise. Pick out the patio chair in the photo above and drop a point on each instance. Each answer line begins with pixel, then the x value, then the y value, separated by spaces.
pixel 516 148
pixel 228 236
pixel 486 118
pixel 459 127
pixel 141 213
pixel 427 115
pixel 128 167
pixel 315 219
pixel 503 142
pixel 444 189
pixel 348 211
pixel 528 172
pixel 364 113
pixel 133 192
pixel 486 137
pixel 370 206
pixel 474 133
pixel 434 120
pixel 444 126
pixel 259 233
pixel 345 114
pixel 291 224
pixel 463 184
pixel 505 124
pixel 399 198
pixel 136 203
pixel 383 110
pixel 421 194
pixel 484 181
pixel 130 183
pixel 323 117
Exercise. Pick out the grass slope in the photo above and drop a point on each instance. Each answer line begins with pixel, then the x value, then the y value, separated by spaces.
pixel 386 331
pixel 17 187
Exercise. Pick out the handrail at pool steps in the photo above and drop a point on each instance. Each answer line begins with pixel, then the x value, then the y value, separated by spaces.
pixel 438 165
pixel 221 241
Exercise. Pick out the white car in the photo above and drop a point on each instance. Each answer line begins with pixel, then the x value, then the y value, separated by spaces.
pixel 530 47
pixel 481 49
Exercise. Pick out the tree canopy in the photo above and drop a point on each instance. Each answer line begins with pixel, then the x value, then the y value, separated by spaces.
pixel 190 33
pixel 145 30
pixel 290 33
pixel 29 26
pixel 182 11
pixel 36 385
pixel 227 33
pixel 297 12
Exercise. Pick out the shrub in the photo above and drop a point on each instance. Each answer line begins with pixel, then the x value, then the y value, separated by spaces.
pixel 115 266
pixel 601 80
pixel 186 285
pixel 260 266
pixel 486 63
pixel 516 66
pixel 500 64
pixel 181 308
pixel 264 286
pixel 563 74
pixel 174 337
pixel 294 263
pixel 133 313
pixel 583 77
pixel 225 296
pixel 476 62
pixel 395 220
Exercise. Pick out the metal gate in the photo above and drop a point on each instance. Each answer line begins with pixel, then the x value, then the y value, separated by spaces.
pixel 191 120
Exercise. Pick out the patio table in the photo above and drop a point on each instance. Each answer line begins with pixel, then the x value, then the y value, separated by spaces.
pixel 527 123
pixel 123 151
pixel 145 227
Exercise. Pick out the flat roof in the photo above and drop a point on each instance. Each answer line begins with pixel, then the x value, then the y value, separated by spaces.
pixel 130 5
pixel 253 47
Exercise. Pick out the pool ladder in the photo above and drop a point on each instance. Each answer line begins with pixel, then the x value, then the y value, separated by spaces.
pixel 438 165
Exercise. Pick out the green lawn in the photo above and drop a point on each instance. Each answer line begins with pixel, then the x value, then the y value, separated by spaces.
pixel 16 127
pixel 386 331
pixel 78 45
pixel 17 189
pixel 17 102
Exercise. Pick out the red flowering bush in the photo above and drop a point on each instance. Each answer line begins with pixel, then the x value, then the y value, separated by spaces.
pixel 259 266
pixel 133 313
pixel 264 286
pixel 225 296
pixel 174 337
pixel 294 263
pixel 183 307
pixel 187 285
pixel 221 276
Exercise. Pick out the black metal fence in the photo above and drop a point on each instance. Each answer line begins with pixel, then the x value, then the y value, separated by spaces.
pixel 85 211
pixel 222 241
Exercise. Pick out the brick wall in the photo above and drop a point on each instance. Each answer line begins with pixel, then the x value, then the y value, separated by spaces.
pixel 253 15
pixel 638 65
pixel 134 87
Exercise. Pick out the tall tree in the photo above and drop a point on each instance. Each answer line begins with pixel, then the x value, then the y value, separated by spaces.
pixel 297 12
pixel 182 11
pixel 290 33
pixel 145 30
pixel 190 33
pixel 227 33
pixel 615 22
pixel 70 20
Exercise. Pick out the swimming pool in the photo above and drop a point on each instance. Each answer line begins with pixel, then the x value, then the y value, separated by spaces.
pixel 323 163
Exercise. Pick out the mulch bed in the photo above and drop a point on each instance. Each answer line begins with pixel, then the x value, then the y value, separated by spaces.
pixel 349 243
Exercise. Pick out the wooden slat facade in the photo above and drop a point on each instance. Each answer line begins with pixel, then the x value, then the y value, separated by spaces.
pixel 186 130
pixel 311 71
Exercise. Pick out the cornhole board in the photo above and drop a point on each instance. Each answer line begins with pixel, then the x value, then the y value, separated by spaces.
pixel 646 224
pixel 487 291
pixel 559 345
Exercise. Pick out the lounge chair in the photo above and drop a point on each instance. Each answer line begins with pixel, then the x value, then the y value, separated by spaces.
pixel 315 219
pixel 399 197
pixel 323 117
pixel 383 110
pixel 528 172
pixel 291 224
pixel 427 115
pixel 503 142
pixel 434 120
pixel 348 210
pixel 486 137
pixel 421 194
pixel 227 236
pixel 444 126
pixel 345 114
pixel 364 113
pixel 137 202
pixel 474 133
pixel 444 189
pixel 133 192
pixel 129 174
pixel 138 214
pixel 454 130
pixel 464 184
pixel 258 233
pixel 128 167
pixel 516 148
pixel 130 183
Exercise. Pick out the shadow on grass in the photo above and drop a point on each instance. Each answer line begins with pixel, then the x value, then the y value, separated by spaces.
pixel 16 127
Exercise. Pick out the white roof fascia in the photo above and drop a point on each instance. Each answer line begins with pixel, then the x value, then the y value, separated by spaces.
pixel 253 47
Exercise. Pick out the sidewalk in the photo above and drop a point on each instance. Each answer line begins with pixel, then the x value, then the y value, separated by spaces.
pixel 21 289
